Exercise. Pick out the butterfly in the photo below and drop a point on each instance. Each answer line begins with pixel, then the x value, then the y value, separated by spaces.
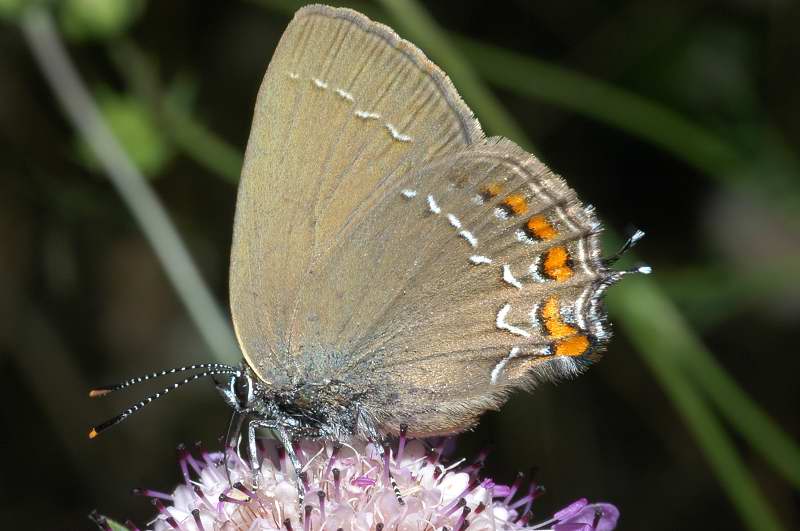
pixel 393 270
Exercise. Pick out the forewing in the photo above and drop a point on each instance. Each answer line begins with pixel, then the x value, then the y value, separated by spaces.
pixel 344 109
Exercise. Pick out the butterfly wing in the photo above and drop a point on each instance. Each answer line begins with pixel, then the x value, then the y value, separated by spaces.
pixel 380 240
pixel 492 281
pixel 470 277
pixel 345 107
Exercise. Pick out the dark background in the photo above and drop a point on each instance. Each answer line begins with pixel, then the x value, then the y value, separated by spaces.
pixel 83 300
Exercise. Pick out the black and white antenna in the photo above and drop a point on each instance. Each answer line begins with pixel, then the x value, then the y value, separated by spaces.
pixel 211 369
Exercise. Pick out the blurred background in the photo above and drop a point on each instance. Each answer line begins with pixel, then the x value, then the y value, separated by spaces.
pixel 681 118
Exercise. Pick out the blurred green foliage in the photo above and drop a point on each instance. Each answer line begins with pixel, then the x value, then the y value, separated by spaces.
pixel 698 98
pixel 134 125
pixel 87 20
pixel 10 8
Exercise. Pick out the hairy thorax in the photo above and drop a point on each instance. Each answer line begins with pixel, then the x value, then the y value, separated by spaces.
pixel 326 409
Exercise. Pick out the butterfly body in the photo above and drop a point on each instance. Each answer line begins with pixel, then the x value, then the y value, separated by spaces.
pixel 326 410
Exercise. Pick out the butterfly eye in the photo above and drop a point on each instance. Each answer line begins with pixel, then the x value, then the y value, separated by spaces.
pixel 243 390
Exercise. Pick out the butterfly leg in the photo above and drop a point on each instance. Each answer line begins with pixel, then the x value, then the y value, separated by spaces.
pixel 286 441
pixel 252 450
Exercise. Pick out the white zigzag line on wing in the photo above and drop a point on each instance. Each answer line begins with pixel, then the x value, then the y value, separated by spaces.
pixel 502 363
pixel 501 323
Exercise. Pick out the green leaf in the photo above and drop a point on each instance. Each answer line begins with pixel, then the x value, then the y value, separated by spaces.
pixel 10 9
pixel 85 20
pixel 137 130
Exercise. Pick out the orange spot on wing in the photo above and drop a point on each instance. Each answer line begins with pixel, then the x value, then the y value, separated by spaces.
pixel 569 341
pixel 556 264
pixel 573 346
pixel 516 203
pixel 491 190
pixel 551 316
pixel 539 227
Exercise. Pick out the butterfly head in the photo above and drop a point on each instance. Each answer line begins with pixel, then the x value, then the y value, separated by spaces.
pixel 238 390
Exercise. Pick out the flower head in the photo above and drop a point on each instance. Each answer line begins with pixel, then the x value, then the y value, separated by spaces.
pixel 347 487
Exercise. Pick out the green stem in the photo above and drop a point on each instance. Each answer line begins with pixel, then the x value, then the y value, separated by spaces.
pixel 652 324
pixel 668 330
pixel 712 293
pixel 85 117
pixel 605 103
pixel 753 424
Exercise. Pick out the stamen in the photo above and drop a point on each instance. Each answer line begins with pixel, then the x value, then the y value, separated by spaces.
pixel 461 502
pixel 321 496
pixel 163 510
pixel 151 494
pixel 571 510
pixel 431 455
pixel 386 459
pixel 198 491
pixel 469 488
pixel 478 464
pixel 337 482
pixel 402 443
pixel 525 518
pixel 598 514
pixel 514 488
pixel 282 459
pixel 197 521
pixel 307 518
pixel 334 453
pixel 227 499
pixel 362 481
pixel 525 500
pixel 463 518
pixel 244 490
pixel 534 493
pixel 440 448
pixel 298 450
pixel 182 462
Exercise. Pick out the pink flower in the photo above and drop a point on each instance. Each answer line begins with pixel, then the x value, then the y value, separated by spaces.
pixel 346 488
